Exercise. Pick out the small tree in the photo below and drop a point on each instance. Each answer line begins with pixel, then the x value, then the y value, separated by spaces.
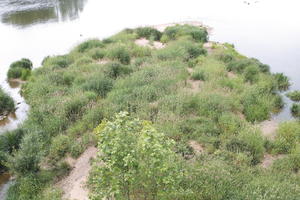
pixel 134 162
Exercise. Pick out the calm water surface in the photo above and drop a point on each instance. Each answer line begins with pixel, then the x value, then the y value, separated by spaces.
pixel 268 30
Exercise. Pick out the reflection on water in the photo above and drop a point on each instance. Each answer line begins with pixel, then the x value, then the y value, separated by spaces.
pixel 4 178
pixel 27 12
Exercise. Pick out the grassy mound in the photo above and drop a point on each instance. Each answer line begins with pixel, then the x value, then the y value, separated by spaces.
pixel 214 99
pixel 20 69
pixel 6 102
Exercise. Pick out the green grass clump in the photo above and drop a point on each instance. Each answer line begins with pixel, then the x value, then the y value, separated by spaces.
pixel 149 33
pixel 295 109
pixel 282 81
pixel 121 54
pixel 90 44
pixel 20 69
pixel 199 75
pixel 198 34
pixel 6 102
pixel 101 85
pixel 294 96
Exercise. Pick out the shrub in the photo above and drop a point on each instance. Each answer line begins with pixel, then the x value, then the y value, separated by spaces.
pixel 24 63
pixel 238 66
pixel 282 81
pixel 251 73
pixel 6 102
pixel 295 109
pixel 20 69
pixel 83 61
pixel 121 54
pixel 287 136
pixel 257 106
pixel 59 61
pixel 294 96
pixel 27 159
pixel 248 141
pixel 87 45
pixel 149 33
pixel 114 70
pixel 199 75
pixel 97 53
pixel 58 148
pixel 101 85
pixel 199 34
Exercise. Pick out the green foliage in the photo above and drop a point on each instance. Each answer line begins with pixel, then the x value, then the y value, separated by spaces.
pixel 199 34
pixel 101 85
pixel 282 81
pixel 257 106
pixel 59 61
pixel 251 74
pixel 24 63
pixel 121 54
pixel 294 96
pixel 20 69
pixel 249 142
pixel 149 33
pixel 6 102
pixel 89 44
pixel 287 136
pixel 97 53
pixel 199 75
pixel 136 161
pixel 295 109
pixel 27 159
pixel 115 70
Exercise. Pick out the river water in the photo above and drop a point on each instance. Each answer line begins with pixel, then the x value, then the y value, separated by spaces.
pixel 265 29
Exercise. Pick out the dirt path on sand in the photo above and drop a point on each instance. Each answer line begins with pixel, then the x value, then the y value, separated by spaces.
pixel 73 185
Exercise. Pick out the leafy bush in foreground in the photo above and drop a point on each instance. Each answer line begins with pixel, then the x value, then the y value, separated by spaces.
pixel 282 81
pixel 135 159
pixel 199 34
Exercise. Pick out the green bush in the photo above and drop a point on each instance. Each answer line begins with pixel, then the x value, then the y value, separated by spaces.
pixel 288 135
pixel 101 85
pixel 27 159
pixel 199 34
pixel 199 75
pixel 20 69
pixel 251 73
pixel 24 63
pixel 97 53
pixel 295 109
pixel 115 70
pixel 121 54
pixel 149 33
pixel 257 106
pixel 59 61
pixel 282 81
pixel 248 141
pixel 90 44
pixel 58 148
pixel 6 102
pixel 294 96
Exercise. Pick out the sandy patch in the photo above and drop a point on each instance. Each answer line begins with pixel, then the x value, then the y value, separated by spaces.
pixel 198 148
pixel 146 43
pixel 103 61
pixel 231 75
pixel 269 128
pixel 190 70
pixel 269 159
pixel 74 185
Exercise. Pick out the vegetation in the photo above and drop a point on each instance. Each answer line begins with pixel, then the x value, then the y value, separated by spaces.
pixel 20 69
pixel 146 151
pixel 6 103
pixel 294 96
pixel 295 109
